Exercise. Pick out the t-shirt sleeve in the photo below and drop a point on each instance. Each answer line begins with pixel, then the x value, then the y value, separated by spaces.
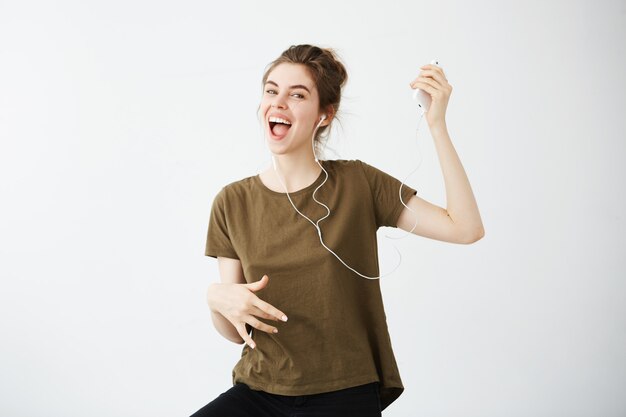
pixel 385 195
pixel 218 242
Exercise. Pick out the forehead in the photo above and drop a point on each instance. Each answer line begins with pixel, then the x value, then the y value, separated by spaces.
pixel 287 74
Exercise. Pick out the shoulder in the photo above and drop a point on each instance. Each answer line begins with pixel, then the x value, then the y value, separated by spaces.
pixel 238 186
pixel 355 164
pixel 358 168
pixel 235 190
pixel 343 164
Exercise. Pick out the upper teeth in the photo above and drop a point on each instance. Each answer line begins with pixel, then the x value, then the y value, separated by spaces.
pixel 279 120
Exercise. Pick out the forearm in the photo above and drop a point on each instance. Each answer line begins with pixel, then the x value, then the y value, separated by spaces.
pixel 461 204
pixel 221 323
pixel 225 328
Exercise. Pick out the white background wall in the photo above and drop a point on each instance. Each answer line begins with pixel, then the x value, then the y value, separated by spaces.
pixel 120 121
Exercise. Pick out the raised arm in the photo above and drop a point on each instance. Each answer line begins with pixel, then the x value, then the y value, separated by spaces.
pixel 460 222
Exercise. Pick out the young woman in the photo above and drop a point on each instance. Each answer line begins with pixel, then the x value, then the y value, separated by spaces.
pixel 333 355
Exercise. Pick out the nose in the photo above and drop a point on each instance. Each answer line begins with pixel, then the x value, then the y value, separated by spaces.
pixel 278 102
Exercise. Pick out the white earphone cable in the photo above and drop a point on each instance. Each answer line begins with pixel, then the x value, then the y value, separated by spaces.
pixel 316 224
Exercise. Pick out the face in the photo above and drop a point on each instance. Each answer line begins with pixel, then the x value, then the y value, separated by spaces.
pixel 291 96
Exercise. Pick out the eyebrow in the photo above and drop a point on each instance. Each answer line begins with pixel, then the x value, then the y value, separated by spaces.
pixel 292 87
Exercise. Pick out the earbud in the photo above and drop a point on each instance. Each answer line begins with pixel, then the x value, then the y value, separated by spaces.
pixel 323 117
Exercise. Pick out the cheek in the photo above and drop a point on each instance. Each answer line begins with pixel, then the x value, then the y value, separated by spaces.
pixel 304 112
pixel 263 107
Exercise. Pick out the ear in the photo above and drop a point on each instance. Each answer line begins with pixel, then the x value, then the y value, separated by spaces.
pixel 330 114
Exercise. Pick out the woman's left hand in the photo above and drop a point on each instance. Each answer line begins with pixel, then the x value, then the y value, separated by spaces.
pixel 433 81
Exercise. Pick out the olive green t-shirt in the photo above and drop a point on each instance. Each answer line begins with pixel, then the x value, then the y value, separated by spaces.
pixel 336 336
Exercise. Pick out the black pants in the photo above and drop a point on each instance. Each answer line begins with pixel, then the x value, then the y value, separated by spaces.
pixel 241 401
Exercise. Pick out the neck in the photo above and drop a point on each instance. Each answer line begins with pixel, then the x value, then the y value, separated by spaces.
pixel 296 172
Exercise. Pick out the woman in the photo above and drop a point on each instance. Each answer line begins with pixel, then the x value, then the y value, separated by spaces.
pixel 333 356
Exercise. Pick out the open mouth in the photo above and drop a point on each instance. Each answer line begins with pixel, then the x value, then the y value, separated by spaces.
pixel 279 129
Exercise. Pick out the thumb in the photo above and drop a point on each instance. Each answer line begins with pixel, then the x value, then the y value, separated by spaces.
pixel 256 286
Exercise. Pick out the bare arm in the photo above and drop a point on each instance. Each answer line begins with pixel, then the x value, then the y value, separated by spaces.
pixel 460 222
pixel 230 272
pixel 235 308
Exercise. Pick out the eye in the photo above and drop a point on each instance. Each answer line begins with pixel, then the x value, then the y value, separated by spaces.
pixel 270 91
pixel 298 95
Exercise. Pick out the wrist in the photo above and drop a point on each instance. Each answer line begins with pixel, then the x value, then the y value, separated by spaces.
pixel 439 127
pixel 210 296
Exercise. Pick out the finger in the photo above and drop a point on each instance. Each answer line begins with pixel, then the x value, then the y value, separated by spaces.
pixel 435 80
pixel 426 87
pixel 241 329
pixel 260 313
pixel 435 71
pixel 270 309
pixel 432 67
pixel 421 81
pixel 256 286
pixel 257 324
pixel 435 75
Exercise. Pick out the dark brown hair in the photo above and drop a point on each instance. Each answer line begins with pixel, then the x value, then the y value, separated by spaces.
pixel 327 71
